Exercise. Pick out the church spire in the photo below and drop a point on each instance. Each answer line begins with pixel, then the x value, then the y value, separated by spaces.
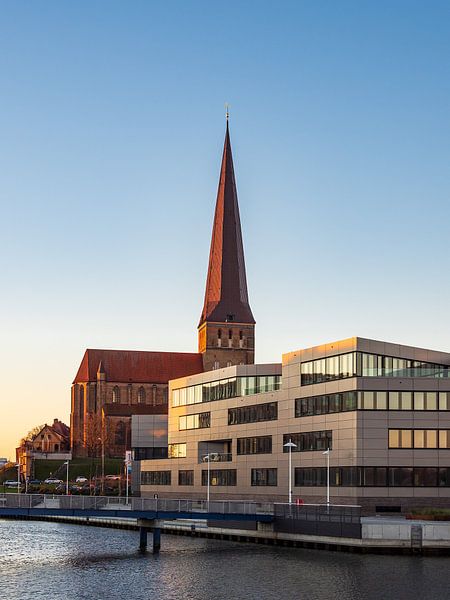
pixel 226 295
pixel 226 328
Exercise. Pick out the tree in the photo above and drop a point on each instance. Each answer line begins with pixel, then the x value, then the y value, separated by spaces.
pixel 31 434
pixel 96 435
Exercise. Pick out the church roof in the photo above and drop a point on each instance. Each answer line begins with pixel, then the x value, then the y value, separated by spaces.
pixel 226 295
pixel 138 366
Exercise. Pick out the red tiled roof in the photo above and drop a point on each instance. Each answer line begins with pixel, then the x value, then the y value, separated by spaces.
pixel 138 366
pixel 226 296
pixel 61 428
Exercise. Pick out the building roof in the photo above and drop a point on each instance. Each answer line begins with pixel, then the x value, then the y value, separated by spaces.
pixel 226 295
pixel 138 366
pixel 61 428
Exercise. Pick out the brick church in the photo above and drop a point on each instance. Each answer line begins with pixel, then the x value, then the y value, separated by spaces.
pixel 112 385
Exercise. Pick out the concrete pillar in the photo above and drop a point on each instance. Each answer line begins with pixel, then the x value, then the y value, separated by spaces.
pixel 156 540
pixel 142 539
pixel 153 525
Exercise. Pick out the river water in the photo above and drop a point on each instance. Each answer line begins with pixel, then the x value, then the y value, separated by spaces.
pixel 73 562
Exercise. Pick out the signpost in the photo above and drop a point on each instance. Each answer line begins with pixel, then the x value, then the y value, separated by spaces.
pixel 128 463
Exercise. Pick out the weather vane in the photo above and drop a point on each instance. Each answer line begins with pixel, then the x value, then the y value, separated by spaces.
pixel 227 110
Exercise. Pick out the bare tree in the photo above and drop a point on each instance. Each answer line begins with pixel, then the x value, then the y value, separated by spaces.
pixel 31 434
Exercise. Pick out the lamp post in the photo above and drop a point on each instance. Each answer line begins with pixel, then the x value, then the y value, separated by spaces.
pixel 327 452
pixel 209 478
pixel 102 490
pixel 67 477
pixel 18 475
pixel 290 444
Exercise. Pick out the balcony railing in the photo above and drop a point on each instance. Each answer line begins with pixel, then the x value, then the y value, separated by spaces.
pixel 215 457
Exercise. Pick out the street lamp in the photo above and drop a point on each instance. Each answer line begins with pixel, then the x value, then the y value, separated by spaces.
pixel 290 444
pixel 327 452
pixel 18 476
pixel 67 477
pixel 207 457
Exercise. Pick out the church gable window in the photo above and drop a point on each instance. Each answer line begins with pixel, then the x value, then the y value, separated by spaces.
pixel 116 394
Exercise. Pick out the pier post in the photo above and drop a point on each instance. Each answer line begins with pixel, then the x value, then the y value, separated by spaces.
pixel 143 538
pixel 153 525
pixel 156 540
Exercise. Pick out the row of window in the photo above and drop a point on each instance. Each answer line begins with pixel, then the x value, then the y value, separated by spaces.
pixel 419 438
pixel 225 388
pixel 374 476
pixel 316 477
pixel 198 421
pixel 141 394
pixel 311 440
pixel 255 445
pixel 371 400
pixel 314 440
pixel 255 413
pixel 217 477
pixel 363 364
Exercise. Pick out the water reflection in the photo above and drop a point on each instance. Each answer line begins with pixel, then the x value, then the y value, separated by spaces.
pixel 69 562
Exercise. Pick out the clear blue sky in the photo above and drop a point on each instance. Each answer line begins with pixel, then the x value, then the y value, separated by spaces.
pixel 112 125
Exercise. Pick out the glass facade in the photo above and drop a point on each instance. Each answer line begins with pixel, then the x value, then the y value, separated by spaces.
pixel 309 441
pixel 362 364
pixel 255 445
pixel 219 477
pixel 253 414
pixel 185 477
pixel 374 476
pixel 419 438
pixel 264 477
pixel 225 388
pixel 198 421
pixel 155 477
pixel 177 450
pixel 371 400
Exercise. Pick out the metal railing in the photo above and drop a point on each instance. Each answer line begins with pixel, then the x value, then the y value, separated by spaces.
pixel 43 501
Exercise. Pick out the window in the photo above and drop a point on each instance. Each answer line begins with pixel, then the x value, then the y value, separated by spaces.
pixel 374 476
pixel 400 476
pixel 419 438
pixel 253 414
pixel 141 395
pixel 219 477
pixel 255 445
pixel 264 477
pixel 177 450
pixel 363 364
pixel 425 476
pixel 155 477
pixel 116 394
pixel 149 453
pixel 310 441
pixel 197 421
pixel 225 388
pixel 185 477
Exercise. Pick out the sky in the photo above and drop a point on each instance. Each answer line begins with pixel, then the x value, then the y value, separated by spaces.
pixel 112 125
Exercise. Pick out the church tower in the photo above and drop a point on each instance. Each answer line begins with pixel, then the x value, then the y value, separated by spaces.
pixel 226 332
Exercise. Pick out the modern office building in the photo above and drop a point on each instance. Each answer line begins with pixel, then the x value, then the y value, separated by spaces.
pixel 382 409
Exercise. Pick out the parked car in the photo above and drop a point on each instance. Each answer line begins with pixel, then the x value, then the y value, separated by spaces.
pixel 81 479
pixel 10 483
pixel 112 477
pixel 34 482
pixel 51 481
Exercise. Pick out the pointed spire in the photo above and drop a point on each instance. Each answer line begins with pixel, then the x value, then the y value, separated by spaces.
pixel 226 296
pixel 101 368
